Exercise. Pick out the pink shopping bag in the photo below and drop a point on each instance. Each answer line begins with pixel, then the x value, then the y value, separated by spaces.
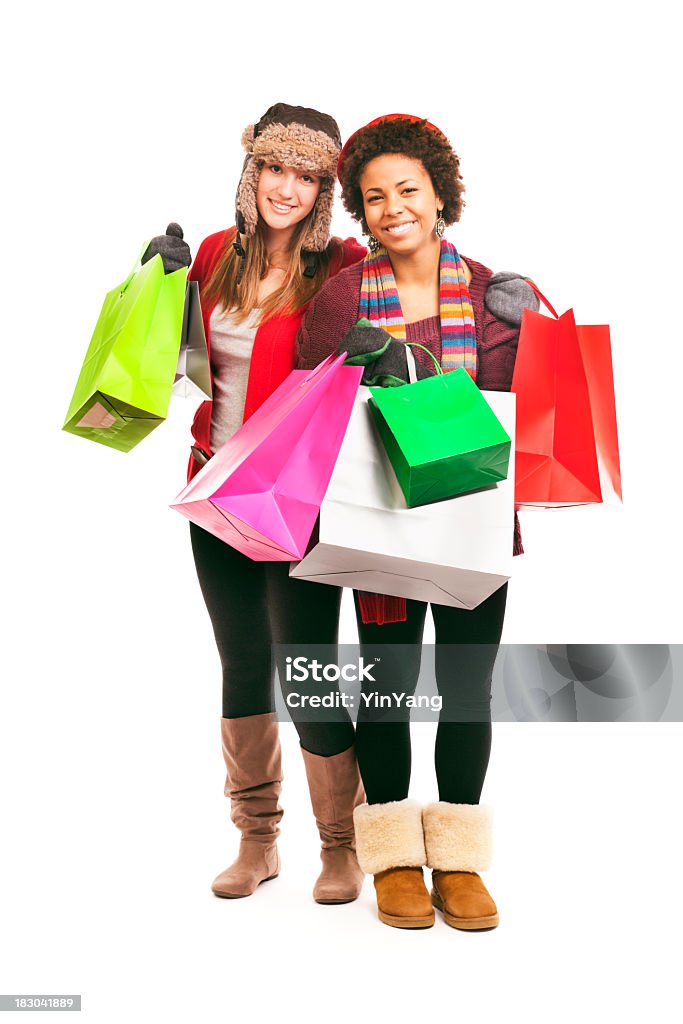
pixel 261 492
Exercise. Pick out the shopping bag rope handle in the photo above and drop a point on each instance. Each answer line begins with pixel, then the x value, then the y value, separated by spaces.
pixel 135 267
pixel 541 296
pixel 414 344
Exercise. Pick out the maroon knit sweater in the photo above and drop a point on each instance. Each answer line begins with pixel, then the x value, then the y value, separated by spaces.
pixel 334 311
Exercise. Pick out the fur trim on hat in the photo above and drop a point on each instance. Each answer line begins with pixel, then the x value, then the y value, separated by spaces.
pixel 389 836
pixel 319 231
pixel 248 137
pixel 246 197
pixel 457 836
pixel 298 146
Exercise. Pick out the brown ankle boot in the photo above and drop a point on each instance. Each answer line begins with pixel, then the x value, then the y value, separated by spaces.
pixel 251 749
pixel 390 845
pixel 335 788
pixel 402 898
pixel 464 900
pixel 458 842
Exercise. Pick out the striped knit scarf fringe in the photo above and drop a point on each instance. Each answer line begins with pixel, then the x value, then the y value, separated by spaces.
pixel 379 302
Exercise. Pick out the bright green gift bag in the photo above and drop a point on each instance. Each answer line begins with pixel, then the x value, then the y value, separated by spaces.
pixel 124 388
pixel 441 436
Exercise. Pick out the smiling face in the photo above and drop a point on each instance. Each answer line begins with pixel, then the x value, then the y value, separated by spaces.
pixel 400 203
pixel 285 195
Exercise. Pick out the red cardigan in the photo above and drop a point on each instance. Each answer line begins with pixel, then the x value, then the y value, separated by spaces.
pixel 274 352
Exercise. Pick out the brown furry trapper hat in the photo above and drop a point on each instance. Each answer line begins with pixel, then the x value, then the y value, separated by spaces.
pixel 301 137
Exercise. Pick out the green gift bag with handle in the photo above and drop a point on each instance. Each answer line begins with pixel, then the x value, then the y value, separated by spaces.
pixel 124 388
pixel 440 434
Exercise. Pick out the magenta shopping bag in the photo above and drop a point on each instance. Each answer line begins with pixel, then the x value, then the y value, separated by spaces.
pixel 261 492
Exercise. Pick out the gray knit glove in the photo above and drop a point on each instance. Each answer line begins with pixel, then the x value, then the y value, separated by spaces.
pixel 383 358
pixel 507 295
pixel 175 253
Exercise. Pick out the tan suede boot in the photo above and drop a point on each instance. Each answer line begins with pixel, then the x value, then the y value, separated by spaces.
pixel 335 788
pixel 390 846
pixel 402 898
pixel 458 842
pixel 251 749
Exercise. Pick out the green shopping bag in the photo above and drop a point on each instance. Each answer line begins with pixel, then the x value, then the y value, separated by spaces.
pixel 441 436
pixel 124 388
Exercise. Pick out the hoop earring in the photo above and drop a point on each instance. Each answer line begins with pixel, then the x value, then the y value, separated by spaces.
pixel 440 225
pixel 373 244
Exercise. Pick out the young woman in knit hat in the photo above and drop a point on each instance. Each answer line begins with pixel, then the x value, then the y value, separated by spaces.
pixel 255 281
pixel 401 180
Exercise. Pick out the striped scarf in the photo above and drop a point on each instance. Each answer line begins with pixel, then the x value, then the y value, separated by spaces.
pixel 379 302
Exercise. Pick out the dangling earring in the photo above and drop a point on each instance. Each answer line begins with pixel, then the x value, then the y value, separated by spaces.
pixel 440 225
pixel 373 244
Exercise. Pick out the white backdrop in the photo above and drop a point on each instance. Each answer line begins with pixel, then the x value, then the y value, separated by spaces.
pixel 120 118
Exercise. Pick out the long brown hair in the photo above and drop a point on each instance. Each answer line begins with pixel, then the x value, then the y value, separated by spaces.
pixel 242 298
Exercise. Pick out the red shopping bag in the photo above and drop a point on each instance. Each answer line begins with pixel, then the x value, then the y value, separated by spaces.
pixel 567 448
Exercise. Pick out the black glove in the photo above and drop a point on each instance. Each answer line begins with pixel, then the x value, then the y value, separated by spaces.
pixel 383 357
pixel 174 252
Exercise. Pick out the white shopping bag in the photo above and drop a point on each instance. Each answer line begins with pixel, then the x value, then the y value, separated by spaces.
pixel 455 552
pixel 192 376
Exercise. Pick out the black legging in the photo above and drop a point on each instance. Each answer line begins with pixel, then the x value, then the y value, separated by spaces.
pixel 253 605
pixel 466 647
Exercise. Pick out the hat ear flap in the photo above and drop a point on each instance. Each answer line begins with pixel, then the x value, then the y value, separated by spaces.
pixel 248 138
pixel 318 234
pixel 247 211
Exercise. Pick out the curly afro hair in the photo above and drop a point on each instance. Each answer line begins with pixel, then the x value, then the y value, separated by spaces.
pixel 407 137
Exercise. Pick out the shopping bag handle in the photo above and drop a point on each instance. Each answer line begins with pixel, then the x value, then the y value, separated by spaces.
pixel 541 296
pixel 323 365
pixel 414 344
pixel 130 277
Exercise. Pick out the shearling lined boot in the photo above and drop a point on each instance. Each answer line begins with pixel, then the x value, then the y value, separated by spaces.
pixel 251 749
pixel 390 846
pixel 336 789
pixel 458 842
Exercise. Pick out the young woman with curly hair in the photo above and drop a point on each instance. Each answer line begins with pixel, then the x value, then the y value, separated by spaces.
pixel 401 180
pixel 256 280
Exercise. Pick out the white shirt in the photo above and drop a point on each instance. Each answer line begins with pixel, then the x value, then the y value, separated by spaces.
pixel 231 347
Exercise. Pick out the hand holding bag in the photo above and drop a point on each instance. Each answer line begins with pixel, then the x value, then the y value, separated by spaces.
pixel 440 434
pixel 124 387
pixel 567 443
